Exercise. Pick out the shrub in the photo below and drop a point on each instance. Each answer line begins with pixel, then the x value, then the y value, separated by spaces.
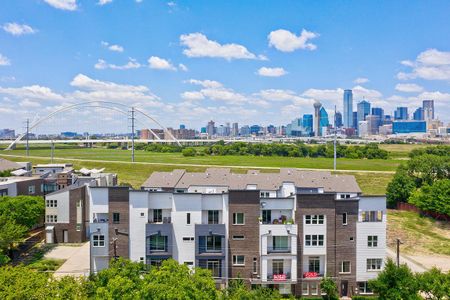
pixel 189 152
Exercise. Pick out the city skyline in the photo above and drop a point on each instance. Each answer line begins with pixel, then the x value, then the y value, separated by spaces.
pixel 181 63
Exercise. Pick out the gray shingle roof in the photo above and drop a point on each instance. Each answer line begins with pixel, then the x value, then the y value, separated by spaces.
pixel 8 165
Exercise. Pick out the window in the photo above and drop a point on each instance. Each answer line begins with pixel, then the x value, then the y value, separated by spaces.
pixel 266 216
pixel 189 263
pixel 238 219
pixel 52 203
pixel 264 194
pixel 374 264
pixel 277 266
pixel 314 219
pixel 238 237
pixel 98 240
pixel 214 266
pixel 345 267
pixel 314 288
pixel 188 218
pixel 142 214
pixel 314 240
pixel 255 265
pixel 344 219
pixel 363 288
pixel 238 260
pixel 3 192
pixel 78 227
pixel 305 289
pixel 116 218
pixel 314 264
pixel 155 263
pixel 188 239
pixel 157 215
pixel 213 217
pixel 280 243
pixel 31 189
pixel 158 243
pixel 52 219
pixel 213 243
pixel 372 216
pixel 372 241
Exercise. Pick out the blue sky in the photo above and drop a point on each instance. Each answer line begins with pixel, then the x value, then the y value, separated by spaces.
pixel 255 62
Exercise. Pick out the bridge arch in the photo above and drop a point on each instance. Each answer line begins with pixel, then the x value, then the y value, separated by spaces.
pixel 98 103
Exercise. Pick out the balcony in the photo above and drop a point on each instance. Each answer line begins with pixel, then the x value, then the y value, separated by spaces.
pixel 279 249
pixel 164 220
pixel 279 277
pixel 312 275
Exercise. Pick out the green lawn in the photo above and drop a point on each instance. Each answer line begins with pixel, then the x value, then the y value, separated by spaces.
pixel 250 161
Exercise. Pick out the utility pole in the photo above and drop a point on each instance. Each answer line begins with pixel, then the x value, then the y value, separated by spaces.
pixel 335 136
pixel 398 252
pixel 132 134
pixel 28 132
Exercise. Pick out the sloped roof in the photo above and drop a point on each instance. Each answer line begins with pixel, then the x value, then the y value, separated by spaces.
pixel 9 165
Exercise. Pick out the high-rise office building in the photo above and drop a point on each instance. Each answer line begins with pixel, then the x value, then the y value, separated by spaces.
pixel 428 109
pixel 348 109
pixel 418 114
pixel 245 130
pixel 308 123
pixel 338 119
pixel 363 109
pixel 324 121
pixel 317 107
pixel 401 113
pixel 373 122
pixel 235 129
pixel 378 111
pixel 210 129
pixel 355 120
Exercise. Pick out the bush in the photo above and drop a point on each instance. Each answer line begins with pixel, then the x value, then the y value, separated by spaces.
pixel 359 297
pixel 328 286
pixel 189 152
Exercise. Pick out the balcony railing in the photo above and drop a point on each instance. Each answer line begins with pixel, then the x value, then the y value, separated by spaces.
pixel 279 277
pixel 165 220
pixel 312 275
pixel 281 221
pixel 203 249
pixel 278 249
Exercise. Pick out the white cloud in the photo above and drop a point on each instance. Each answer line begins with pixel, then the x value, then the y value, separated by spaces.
pixel 35 92
pixel 193 95
pixel 216 91
pixel 131 64
pixel 287 41
pixel 115 48
pixel 171 4
pixel 103 2
pixel 409 88
pixel 198 45
pixel 18 29
pixel 63 4
pixel 278 95
pixel 29 104
pixel 182 67
pixel 360 80
pixel 430 64
pixel 155 62
pixel 205 83
pixel 271 72
pixel 4 61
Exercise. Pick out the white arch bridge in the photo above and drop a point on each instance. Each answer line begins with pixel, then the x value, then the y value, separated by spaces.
pixel 129 111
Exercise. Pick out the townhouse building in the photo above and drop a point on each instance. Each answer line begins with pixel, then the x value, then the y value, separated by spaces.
pixel 283 230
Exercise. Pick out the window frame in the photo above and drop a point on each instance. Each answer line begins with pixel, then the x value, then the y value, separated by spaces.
pixel 342 269
pixel 157 214
pixel 236 261
pixel 374 262
pixel 213 216
pixel 99 242
pixel 372 241
pixel 235 218
pixel 116 220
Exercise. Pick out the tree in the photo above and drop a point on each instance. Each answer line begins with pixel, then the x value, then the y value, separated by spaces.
pixel 427 168
pixel 22 283
pixel 395 283
pixel 238 291
pixel 434 284
pixel 24 210
pixel 10 234
pixel 189 152
pixel 434 198
pixel 400 188
pixel 328 286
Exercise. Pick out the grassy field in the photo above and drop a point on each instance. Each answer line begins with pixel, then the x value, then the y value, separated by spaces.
pixel 419 235
pixel 135 174
pixel 401 150
pixel 243 161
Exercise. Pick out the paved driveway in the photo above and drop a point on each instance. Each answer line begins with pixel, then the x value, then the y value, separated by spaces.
pixel 77 260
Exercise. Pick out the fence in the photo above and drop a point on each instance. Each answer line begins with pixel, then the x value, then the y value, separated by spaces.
pixel 411 207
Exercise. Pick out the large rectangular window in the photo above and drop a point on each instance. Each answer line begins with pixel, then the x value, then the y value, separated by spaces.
pixel 372 216
pixel 98 240
pixel 314 219
pixel 314 240
pixel 52 203
pixel 363 288
pixel 280 243
pixel 277 266
pixel 345 267
pixel 374 264
pixel 372 241
pixel 238 260
pixel 213 243
pixel 52 219
pixel 214 266
pixel 158 243
pixel 116 218
pixel 213 217
pixel 238 219
pixel 157 216
pixel 314 264
pixel 266 216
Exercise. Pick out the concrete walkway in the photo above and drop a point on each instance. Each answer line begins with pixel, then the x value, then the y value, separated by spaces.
pixel 77 260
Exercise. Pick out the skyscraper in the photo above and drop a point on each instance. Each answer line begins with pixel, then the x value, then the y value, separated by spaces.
pixel 401 113
pixel 348 108
pixel 324 122
pixel 317 106
pixel 308 123
pixel 355 120
pixel 378 111
pixel 210 129
pixel 235 129
pixel 363 109
pixel 338 119
pixel 418 114
pixel 428 109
